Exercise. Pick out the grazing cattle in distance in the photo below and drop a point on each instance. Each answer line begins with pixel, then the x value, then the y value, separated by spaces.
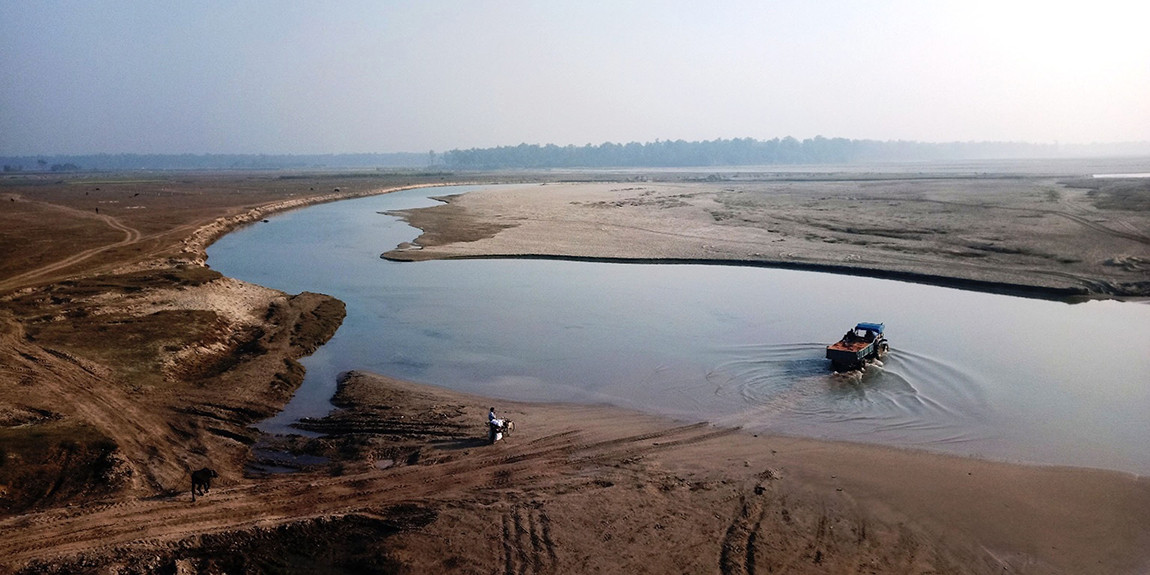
pixel 202 481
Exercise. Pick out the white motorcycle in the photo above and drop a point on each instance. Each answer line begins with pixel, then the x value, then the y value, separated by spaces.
pixel 497 428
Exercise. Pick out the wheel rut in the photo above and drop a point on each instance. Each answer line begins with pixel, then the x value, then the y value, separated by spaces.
pixel 131 236
pixel 155 522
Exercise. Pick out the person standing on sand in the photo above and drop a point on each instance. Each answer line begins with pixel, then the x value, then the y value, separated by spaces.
pixel 493 425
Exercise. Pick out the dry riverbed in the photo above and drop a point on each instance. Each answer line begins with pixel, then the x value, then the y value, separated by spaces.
pixel 1041 236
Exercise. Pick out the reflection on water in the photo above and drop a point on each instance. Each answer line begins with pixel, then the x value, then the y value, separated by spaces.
pixel 969 373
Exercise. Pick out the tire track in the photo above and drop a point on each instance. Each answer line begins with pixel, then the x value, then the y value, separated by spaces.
pixel 1085 222
pixel 167 520
pixel 131 236
pixel 509 563
pixel 1132 236
pixel 737 555
pixel 526 542
pixel 199 234
pixel 639 450
pixel 142 434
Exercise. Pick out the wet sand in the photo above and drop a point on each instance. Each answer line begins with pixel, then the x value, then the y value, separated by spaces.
pixel 615 491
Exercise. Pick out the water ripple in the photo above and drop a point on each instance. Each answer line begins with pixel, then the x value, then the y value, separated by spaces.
pixel 910 398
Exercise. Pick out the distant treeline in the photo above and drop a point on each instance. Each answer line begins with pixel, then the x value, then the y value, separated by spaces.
pixel 750 152
pixel 660 153
pixel 129 162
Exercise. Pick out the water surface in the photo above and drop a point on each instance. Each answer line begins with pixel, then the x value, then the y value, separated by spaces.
pixel 969 373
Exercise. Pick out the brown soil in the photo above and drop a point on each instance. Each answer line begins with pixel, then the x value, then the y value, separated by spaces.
pixel 125 364
pixel 594 489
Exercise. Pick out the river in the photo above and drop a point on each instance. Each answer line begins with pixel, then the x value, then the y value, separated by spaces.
pixel 969 373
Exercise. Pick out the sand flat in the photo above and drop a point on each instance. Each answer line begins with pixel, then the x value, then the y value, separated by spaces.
pixel 1042 236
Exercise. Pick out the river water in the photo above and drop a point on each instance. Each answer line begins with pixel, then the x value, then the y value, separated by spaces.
pixel 969 373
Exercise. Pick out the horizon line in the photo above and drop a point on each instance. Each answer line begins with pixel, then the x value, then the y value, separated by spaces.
pixel 1055 144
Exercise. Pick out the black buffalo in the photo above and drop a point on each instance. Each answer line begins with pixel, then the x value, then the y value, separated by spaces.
pixel 202 481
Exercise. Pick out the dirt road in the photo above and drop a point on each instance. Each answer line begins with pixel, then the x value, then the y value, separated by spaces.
pixel 131 236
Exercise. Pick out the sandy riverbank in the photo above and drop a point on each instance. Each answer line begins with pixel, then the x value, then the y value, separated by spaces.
pixel 115 383
pixel 614 491
pixel 1037 236
pixel 413 487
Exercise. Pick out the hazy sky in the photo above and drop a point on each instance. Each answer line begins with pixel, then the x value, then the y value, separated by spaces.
pixel 381 76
